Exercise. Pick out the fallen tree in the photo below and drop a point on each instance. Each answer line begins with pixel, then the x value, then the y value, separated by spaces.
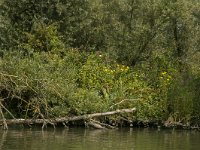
pixel 64 120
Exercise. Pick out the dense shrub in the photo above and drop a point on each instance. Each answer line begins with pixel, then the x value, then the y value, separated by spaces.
pixel 120 86
pixel 46 85
pixel 37 85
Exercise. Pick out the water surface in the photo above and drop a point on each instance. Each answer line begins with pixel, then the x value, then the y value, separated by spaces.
pixel 88 139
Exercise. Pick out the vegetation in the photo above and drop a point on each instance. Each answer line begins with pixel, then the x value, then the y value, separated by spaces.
pixel 73 57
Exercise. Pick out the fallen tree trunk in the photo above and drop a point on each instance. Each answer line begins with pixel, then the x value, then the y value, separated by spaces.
pixel 64 119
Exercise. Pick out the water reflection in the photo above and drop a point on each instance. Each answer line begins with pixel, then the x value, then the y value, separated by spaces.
pixel 3 139
pixel 87 139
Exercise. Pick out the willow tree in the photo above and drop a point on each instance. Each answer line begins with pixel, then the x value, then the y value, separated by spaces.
pixel 138 23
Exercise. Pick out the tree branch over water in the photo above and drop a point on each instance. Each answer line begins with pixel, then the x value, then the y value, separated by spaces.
pixel 65 119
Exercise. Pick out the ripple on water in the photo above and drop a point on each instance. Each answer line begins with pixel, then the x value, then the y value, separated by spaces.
pixel 88 139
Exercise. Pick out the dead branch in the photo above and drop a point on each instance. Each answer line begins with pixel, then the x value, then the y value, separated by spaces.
pixel 94 125
pixel 5 126
pixel 103 124
pixel 2 106
pixel 124 100
pixel 65 119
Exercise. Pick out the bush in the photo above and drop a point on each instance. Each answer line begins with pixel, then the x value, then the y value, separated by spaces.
pixel 120 86
pixel 37 85
pixel 48 85
pixel 43 37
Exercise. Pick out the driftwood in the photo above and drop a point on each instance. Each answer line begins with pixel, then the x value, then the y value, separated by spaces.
pixel 94 125
pixel 98 125
pixel 63 120
pixel 180 125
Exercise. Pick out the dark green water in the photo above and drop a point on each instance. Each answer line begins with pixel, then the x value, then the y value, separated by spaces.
pixel 88 139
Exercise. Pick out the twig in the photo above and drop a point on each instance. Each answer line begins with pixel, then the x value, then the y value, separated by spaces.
pixel 2 106
pixel 8 75
pixel 122 102
pixel 5 126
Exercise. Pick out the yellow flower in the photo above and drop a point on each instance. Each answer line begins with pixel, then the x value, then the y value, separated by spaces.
pixel 164 73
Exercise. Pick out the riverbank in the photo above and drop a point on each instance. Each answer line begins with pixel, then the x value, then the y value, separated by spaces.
pixel 47 85
pixel 96 121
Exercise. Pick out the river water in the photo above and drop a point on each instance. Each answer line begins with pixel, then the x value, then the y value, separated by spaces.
pixel 89 139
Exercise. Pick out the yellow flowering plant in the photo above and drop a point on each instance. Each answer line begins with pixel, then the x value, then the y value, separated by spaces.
pixel 98 74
